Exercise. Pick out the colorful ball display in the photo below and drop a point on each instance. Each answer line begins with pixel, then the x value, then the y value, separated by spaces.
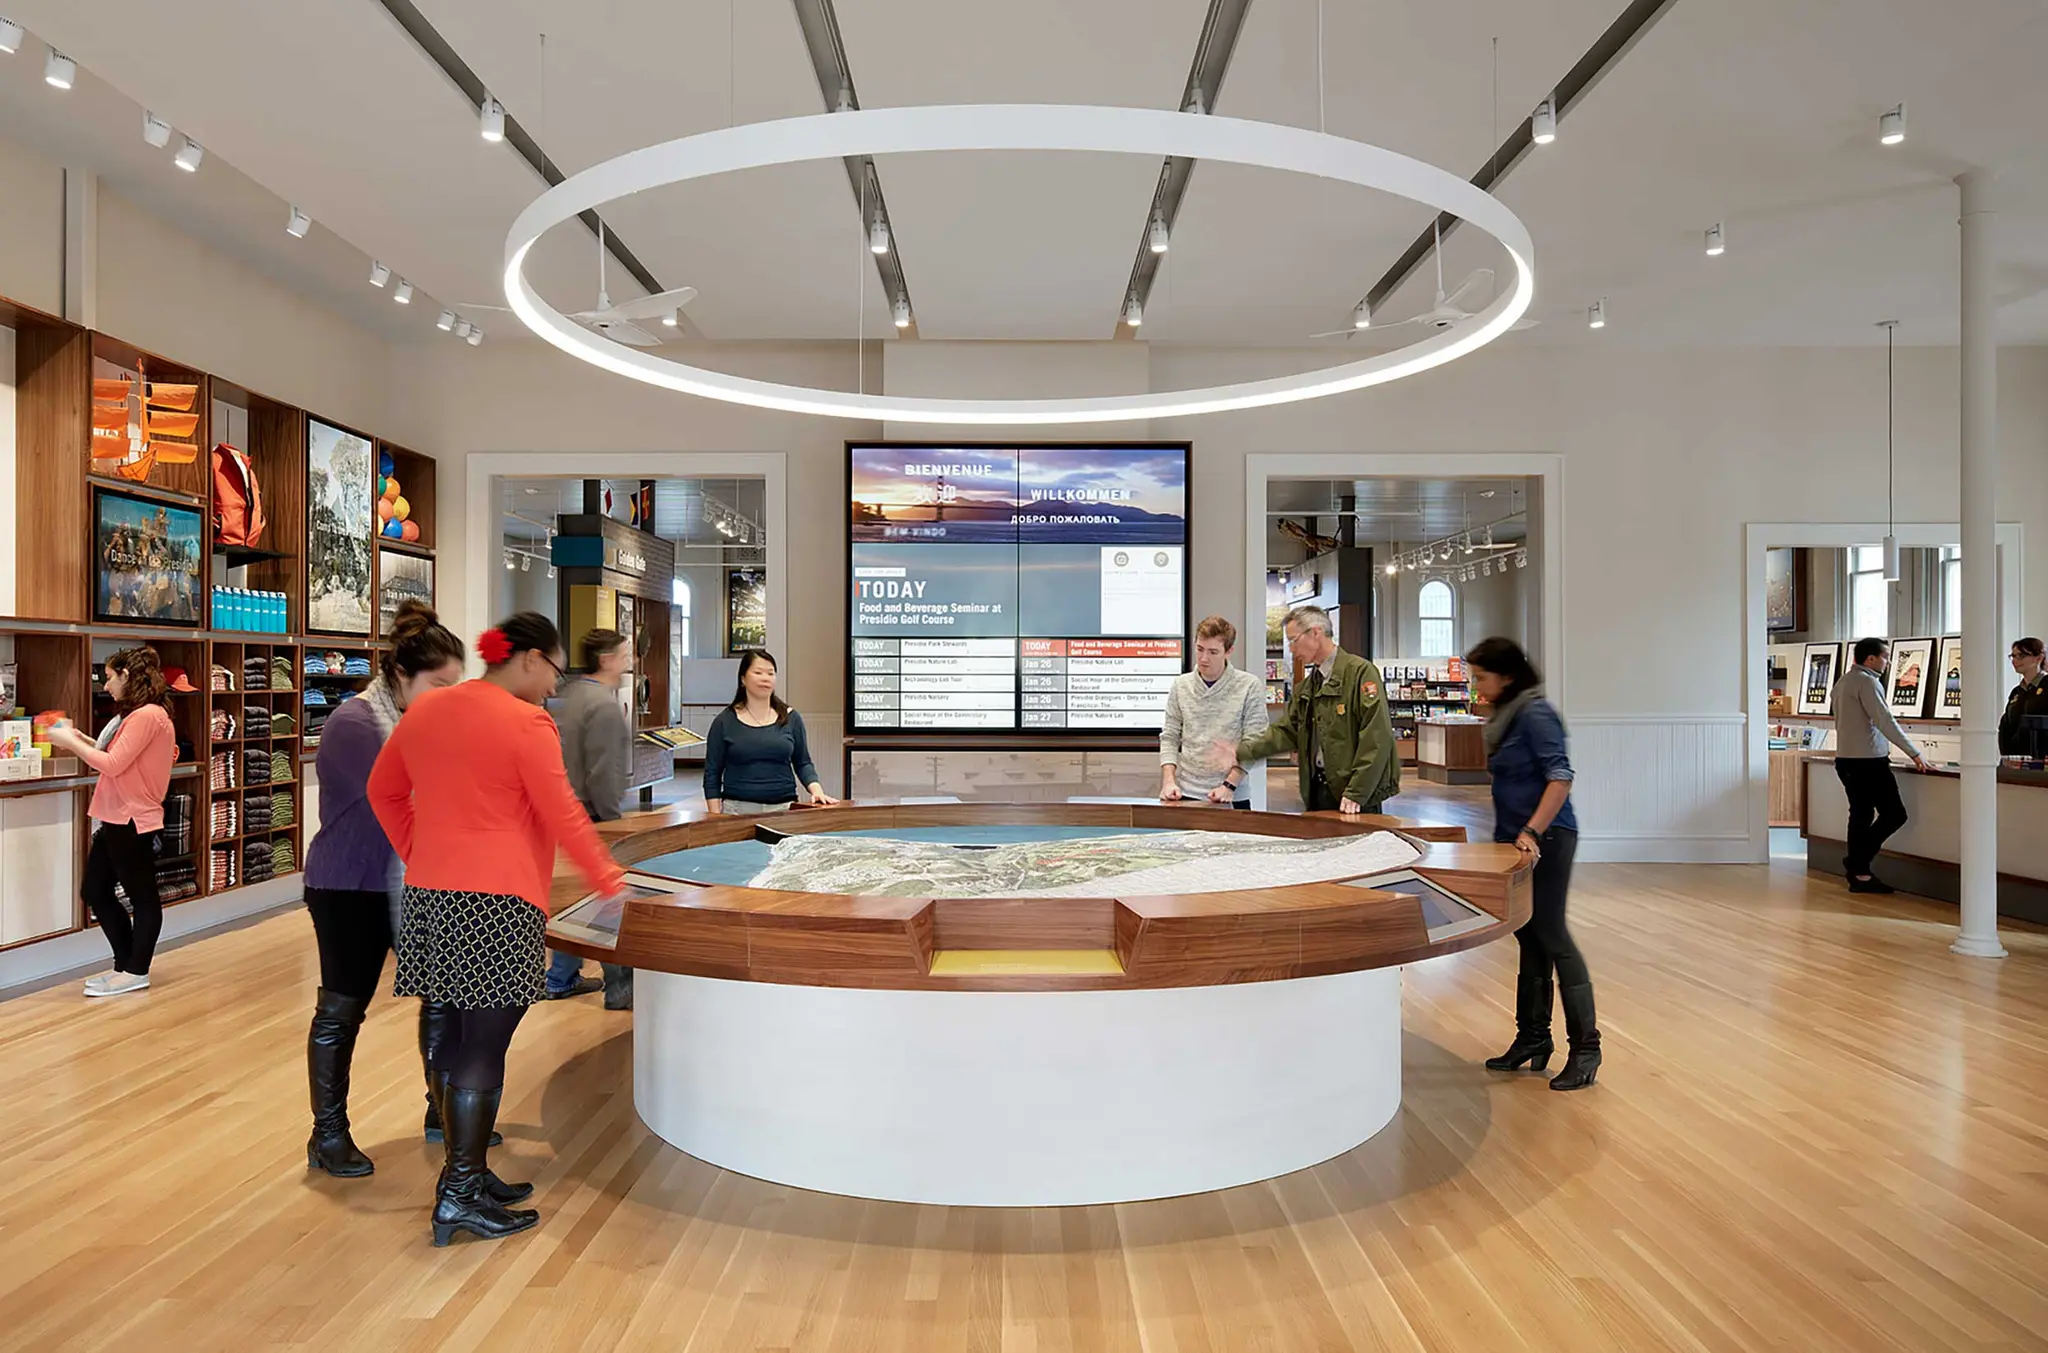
pixel 390 488
pixel 400 508
pixel 411 529
pixel 384 463
pixel 395 529
pixel 384 509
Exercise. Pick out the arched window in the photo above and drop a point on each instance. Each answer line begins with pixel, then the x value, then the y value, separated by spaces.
pixel 1438 609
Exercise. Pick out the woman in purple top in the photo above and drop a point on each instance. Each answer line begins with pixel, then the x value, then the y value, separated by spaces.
pixel 352 877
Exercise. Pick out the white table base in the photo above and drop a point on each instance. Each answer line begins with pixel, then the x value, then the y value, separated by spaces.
pixel 1017 1099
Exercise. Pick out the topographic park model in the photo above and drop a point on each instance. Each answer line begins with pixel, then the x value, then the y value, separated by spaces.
pixel 1140 863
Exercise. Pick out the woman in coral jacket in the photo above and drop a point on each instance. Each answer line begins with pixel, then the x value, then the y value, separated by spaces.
pixel 471 791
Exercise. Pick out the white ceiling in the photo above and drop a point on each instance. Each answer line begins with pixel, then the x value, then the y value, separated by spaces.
pixel 1752 111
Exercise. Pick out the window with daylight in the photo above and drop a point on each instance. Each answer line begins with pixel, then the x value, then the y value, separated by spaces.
pixel 678 645
pixel 1870 596
pixel 1437 608
pixel 1951 589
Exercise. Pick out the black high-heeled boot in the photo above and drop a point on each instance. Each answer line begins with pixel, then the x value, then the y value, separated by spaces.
pixel 462 1201
pixel 1583 1064
pixel 330 1048
pixel 437 1021
pixel 501 1192
pixel 1532 1043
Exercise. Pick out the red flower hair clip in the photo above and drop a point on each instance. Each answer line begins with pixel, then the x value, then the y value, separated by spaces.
pixel 493 647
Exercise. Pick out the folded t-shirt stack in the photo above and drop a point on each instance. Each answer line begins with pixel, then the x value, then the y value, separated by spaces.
pixel 222 725
pixel 281 768
pixel 282 858
pixel 224 868
pixel 225 820
pixel 282 809
pixel 280 672
pixel 220 770
pixel 255 814
pixel 356 667
pixel 255 673
pixel 220 678
pixel 176 880
pixel 255 766
pixel 256 862
pixel 177 837
pixel 255 722
pixel 283 725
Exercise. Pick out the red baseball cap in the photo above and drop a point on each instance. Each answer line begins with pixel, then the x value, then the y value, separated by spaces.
pixel 175 678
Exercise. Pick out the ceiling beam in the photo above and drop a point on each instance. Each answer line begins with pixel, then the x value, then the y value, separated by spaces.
pixel 438 50
pixel 820 25
pixel 1218 43
pixel 1604 55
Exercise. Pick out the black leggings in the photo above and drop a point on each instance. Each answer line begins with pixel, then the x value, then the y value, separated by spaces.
pixel 120 854
pixel 474 1055
pixel 353 930
pixel 1546 942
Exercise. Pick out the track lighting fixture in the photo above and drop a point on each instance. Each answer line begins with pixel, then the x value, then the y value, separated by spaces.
pixel 902 314
pixel 1361 318
pixel 462 328
pixel 551 570
pixel 402 293
pixel 10 36
pixel 59 70
pixel 509 564
pixel 446 324
pixel 476 337
pixel 1596 317
pixel 526 563
pixel 1156 238
pixel 1392 569
pixel 1717 241
pixel 878 236
pixel 671 319
pixel 189 155
pixel 491 119
pixel 155 130
pixel 298 225
pixel 1134 312
pixel 1543 122
pixel 379 274
pixel 1891 126
pixel 1521 559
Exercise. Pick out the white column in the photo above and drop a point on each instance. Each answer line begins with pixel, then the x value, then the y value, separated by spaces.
pixel 81 247
pixel 1982 660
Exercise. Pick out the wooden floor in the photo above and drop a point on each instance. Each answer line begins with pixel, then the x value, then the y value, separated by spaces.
pixel 1816 1130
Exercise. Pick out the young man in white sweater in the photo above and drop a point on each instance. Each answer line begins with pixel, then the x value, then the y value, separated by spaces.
pixel 1215 702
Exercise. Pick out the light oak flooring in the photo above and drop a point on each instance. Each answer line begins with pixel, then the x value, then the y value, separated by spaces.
pixel 1816 1130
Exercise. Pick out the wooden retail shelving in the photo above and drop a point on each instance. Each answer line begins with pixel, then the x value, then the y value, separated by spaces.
pixel 55 643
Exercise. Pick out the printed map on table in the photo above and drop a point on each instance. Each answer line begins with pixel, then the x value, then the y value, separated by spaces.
pixel 1150 862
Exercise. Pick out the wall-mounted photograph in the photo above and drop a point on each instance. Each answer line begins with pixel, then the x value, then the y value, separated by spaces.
pixel 1818 666
pixel 1949 699
pixel 401 577
pixel 746 609
pixel 147 557
pixel 1785 590
pixel 1911 679
pixel 339 524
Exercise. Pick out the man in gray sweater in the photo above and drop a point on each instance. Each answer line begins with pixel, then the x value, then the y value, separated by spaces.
pixel 1214 703
pixel 597 751
pixel 1863 724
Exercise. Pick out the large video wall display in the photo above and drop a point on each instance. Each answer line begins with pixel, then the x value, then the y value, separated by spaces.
pixel 1015 588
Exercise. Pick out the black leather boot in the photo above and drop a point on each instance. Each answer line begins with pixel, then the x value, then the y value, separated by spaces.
pixel 330 1047
pixel 500 1191
pixel 437 1025
pixel 1584 1062
pixel 1532 1043
pixel 462 1201
pixel 618 986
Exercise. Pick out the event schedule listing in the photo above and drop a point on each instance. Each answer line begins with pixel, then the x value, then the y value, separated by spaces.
pixel 1097 683
pixel 935 683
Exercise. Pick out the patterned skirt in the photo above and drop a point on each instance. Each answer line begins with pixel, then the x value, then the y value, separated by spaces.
pixel 475 951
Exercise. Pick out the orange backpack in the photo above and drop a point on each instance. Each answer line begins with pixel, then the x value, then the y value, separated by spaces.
pixel 237 499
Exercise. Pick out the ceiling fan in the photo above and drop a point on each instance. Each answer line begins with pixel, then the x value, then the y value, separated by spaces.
pixel 1460 305
pixel 623 321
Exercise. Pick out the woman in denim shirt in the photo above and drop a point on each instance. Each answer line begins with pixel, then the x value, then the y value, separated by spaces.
pixel 1532 785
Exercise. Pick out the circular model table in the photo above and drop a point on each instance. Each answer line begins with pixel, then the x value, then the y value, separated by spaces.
pixel 977 1019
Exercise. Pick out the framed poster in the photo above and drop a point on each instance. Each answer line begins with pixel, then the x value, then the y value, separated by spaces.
pixel 746 609
pixel 401 577
pixel 1911 678
pixel 147 558
pixel 1819 665
pixel 339 526
pixel 1948 698
pixel 1784 591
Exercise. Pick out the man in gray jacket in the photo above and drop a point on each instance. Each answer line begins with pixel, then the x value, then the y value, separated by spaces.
pixel 1863 724
pixel 597 751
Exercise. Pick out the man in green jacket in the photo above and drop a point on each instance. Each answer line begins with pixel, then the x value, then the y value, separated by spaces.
pixel 1337 720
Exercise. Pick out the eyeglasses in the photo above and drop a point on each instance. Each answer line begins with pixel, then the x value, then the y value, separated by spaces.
pixel 560 674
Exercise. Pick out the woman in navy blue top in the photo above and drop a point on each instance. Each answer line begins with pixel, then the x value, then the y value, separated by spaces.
pixel 1532 785
pixel 756 757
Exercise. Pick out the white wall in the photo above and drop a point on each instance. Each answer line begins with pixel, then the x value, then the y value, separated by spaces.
pixel 31 228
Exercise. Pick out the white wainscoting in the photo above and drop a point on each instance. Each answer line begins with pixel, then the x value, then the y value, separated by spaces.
pixel 1661 788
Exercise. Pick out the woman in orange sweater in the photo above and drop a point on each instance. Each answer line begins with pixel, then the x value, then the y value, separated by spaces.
pixel 471 791
pixel 133 755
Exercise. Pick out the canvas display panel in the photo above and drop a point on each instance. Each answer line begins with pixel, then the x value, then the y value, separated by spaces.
pixel 1911 679
pixel 147 560
pixel 401 577
pixel 340 522
pixel 1819 665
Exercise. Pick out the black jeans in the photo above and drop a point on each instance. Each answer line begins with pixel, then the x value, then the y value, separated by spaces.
pixel 1875 809
pixel 353 930
pixel 121 854
pixel 1324 798
pixel 1545 939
